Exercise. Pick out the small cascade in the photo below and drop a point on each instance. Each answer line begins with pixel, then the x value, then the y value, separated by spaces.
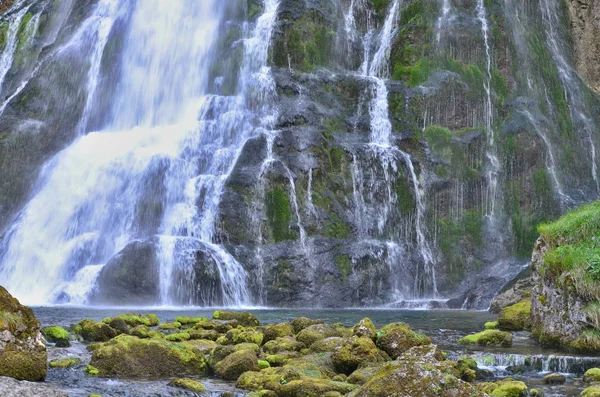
pixel 374 171
pixel 11 43
pixel 503 364
pixel 494 163
pixel 309 196
pixel 443 20
pixel 570 81
pixel 296 207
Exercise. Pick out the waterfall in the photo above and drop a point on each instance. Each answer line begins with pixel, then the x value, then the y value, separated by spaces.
pixel 570 80
pixel 442 20
pixel 165 129
pixel 382 156
pixel 494 163
pixel 10 47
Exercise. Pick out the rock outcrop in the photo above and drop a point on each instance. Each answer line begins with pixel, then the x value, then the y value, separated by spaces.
pixel 10 387
pixel 22 349
pixel 584 18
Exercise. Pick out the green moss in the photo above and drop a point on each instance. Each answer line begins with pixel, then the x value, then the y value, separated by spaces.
pixel 178 337
pixel 505 388
pixel 336 227
pixel 588 341
pixel 516 317
pixel 577 226
pixel 279 214
pixel 170 326
pixel 381 5
pixel 235 364
pixel 356 352
pixel 64 362
pixel 149 320
pixel 3 35
pixel 344 265
pixel 188 384
pixel 262 364
pixel 489 337
pixel 499 85
pixel 396 338
pixel 57 335
pixel 91 370
pixel 22 36
pixel 243 318
pixel 183 320
pixel 592 391
pixel 491 325
pixel 592 375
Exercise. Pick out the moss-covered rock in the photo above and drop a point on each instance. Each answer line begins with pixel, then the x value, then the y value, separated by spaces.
pixel 57 335
pixel 150 320
pixel 130 356
pixel 204 345
pixel 467 368
pixel 491 325
pixel 22 349
pixel 243 318
pixel 91 370
pixel 364 327
pixel 269 378
pixel 417 372
pixel 396 338
pixel 313 388
pixel 276 360
pixel 592 391
pixel 298 324
pixel 592 375
pixel 555 379
pixel 188 384
pixel 94 331
pixel 248 336
pixel 362 375
pixel 141 331
pixel 170 326
pixel 178 337
pixel 356 352
pixel 263 364
pixel 236 363
pixel 516 317
pixel 504 388
pixel 285 344
pixel 489 337
pixel 327 345
pixel 64 362
pixel 316 332
pixel 274 331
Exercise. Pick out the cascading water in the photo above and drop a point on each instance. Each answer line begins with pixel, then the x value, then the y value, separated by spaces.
pixel 10 46
pixel 494 163
pixel 381 154
pixel 165 129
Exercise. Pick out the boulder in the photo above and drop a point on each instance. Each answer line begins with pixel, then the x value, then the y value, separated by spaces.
pixel 592 391
pixel 10 387
pixel 356 352
pixel 489 337
pixel 236 363
pixel 316 332
pixel 22 349
pixel 592 375
pixel 243 318
pixel 555 379
pixel 313 387
pixel 365 327
pixel 188 384
pixel 507 387
pixel 417 372
pixel 57 335
pixel 514 293
pixel 396 338
pixel 516 317
pixel 94 331
pixel 298 324
pixel 274 331
pixel 131 356
pixel 285 344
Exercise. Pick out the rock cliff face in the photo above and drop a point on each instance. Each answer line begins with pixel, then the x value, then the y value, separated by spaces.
pixel 22 348
pixel 584 16
pixel 565 295
pixel 410 148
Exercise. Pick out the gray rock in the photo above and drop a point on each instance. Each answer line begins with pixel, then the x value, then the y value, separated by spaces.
pixel 10 387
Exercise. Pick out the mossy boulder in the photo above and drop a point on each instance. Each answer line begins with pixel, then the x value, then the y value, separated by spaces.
pixel 248 336
pixel 362 375
pixel 170 326
pixel 417 372
pixel 592 391
pixel 285 344
pixel 504 388
pixel 491 325
pixel 592 375
pixel 185 320
pixel 64 362
pixel 94 331
pixel 356 352
pixel 178 337
pixel 300 323
pixel 22 349
pixel 536 393
pixel 313 388
pixel 396 338
pixel 269 378
pixel 204 345
pixel 150 320
pixel 263 364
pixel 141 331
pixel 489 337
pixel 274 331
pixel 327 345
pixel 131 356
pixel 236 363
pixel 516 317
pixel 467 368
pixel 555 379
pixel 57 335
pixel 188 384
pixel 276 360
pixel 316 332
pixel 364 327
pixel 243 318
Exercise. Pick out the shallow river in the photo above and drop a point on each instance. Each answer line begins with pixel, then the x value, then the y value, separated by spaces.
pixel 525 360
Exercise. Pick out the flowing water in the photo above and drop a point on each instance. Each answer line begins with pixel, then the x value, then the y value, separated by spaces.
pixel 165 129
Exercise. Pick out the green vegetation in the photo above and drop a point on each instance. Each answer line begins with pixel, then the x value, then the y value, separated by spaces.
pixel 22 34
pixel 188 384
pixel 489 337
pixel 3 35
pixel 381 5
pixel 515 317
pixel 344 265
pixel 279 214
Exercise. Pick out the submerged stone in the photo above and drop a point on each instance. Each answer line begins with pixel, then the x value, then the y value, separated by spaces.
pixel 188 384
pixel 64 362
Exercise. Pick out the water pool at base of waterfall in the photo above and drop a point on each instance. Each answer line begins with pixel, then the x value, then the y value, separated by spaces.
pixel 525 360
